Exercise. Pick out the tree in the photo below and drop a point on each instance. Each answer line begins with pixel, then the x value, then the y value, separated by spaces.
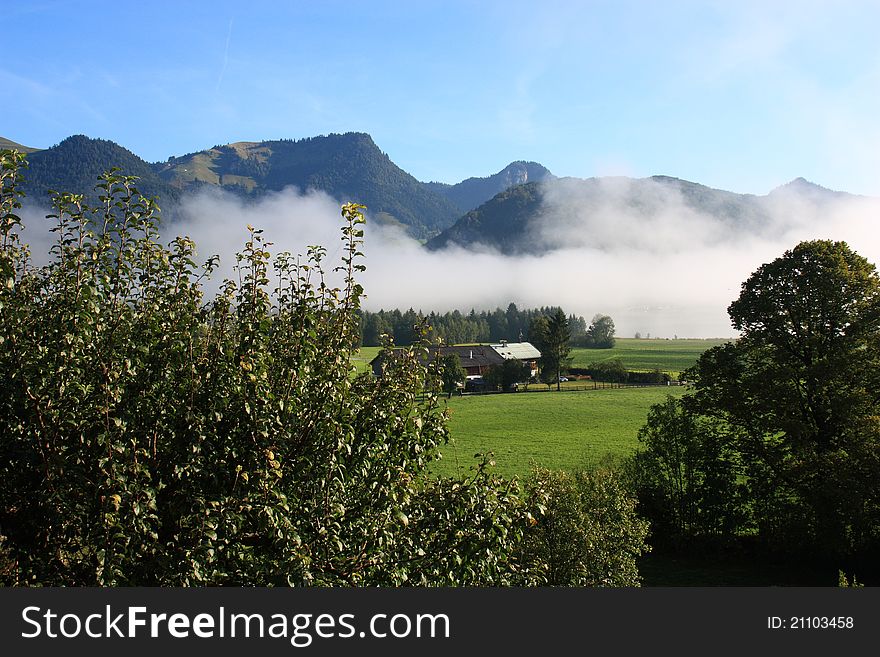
pixel 687 475
pixel 600 335
pixel 801 390
pixel 152 436
pixel 374 326
pixel 538 331
pixel 584 530
pixel 577 325
pixel 452 374
pixel 514 323
pixel 554 346
pixel 506 374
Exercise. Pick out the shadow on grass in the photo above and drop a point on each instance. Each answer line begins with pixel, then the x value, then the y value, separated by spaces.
pixel 746 566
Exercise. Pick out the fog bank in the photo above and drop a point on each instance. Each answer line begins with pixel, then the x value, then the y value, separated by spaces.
pixel 671 271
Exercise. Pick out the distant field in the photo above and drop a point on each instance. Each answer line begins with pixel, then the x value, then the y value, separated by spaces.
pixel 558 430
pixel 361 360
pixel 642 354
pixel 564 430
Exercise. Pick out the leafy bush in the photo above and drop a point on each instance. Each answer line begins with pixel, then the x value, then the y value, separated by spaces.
pixel 151 436
pixel 609 370
pixel 585 530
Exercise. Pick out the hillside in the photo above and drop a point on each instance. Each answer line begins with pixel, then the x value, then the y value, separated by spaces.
pixel 804 189
pixel 564 212
pixel 8 144
pixel 473 192
pixel 501 223
pixel 348 167
pixel 521 209
pixel 75 164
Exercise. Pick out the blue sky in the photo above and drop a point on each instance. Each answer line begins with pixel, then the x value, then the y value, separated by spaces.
pixel 739 95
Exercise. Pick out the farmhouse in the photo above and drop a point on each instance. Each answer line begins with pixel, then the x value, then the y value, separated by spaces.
pixel 477 359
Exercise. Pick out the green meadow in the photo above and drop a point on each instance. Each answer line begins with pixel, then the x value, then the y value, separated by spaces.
pixel 636 354
pixel 563 430
pixel 361 359
pixel 557 430
pixel 647 354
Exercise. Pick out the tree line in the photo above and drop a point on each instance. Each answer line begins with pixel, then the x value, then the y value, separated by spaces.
pixel 454 327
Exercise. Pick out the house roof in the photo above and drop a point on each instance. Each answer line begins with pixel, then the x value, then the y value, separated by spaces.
pixel 478 355
pixel 517 350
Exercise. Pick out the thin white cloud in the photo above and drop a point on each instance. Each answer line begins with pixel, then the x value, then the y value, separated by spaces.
pixel 225 57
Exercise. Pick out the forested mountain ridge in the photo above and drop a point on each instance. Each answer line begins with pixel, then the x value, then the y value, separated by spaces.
pixel 76 163
pixel 473 192
pixel 500 223
pixel 348 167
pixel 521 209
pixel 559 213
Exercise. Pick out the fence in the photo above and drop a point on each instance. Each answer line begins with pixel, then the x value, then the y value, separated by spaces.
pixel 587 385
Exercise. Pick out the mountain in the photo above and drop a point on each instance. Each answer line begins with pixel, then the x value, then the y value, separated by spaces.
pixel 521 209
pixel 75 164
pixel 473 192
pixel 560 213
pixel 8 144
pixel 348 167
pixel 500 223
pixel 804 189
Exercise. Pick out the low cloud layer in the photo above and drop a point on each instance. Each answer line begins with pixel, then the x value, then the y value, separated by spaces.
pixel 671 271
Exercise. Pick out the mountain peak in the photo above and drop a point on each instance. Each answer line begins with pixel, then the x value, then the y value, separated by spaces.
pixel 471 193
pixel 76 162
pixel 801 182
pixel 353 137
pixel 346 166
pixel 520 172
pixel 803 187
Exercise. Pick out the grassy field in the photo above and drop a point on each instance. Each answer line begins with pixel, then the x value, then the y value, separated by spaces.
pixel 362 358
pixel 639 355
pixel 643 355
pixel 564 430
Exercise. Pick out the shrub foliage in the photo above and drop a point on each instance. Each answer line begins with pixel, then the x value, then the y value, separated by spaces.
pixel 149 435
pixel 586 531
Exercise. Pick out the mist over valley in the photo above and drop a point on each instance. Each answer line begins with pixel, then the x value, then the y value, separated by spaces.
pixel 662 256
